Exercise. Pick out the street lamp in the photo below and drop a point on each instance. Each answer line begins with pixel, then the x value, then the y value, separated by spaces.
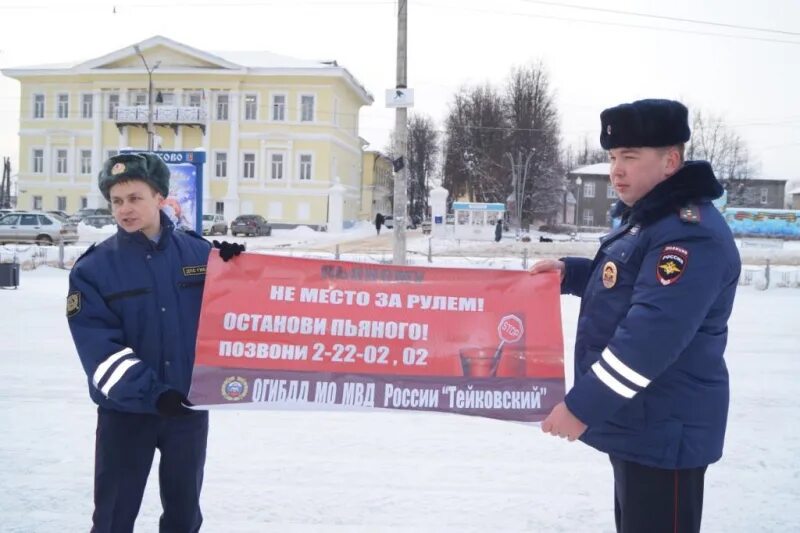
pixel 149 70
pixel 578 182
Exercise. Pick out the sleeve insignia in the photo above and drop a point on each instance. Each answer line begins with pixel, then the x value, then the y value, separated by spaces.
pixel 73 303
pixel 671 264
pixel 609 275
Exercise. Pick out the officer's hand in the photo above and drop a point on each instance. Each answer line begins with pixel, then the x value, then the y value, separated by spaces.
pixel 173 403
pixel 548 265
pixel 562 423
pixel 228 249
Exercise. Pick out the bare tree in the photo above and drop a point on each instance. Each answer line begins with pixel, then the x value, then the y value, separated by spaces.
pixel 713 141
pixel 583 154
pixel 476 133
pixel 504 146
pixel 533 118
pixel 423 154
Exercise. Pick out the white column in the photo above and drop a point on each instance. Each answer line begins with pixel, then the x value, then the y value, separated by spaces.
pixel 265 164
pixel 208 202
pixel 232 196
pixel 93 198
pixel 72 159
pixel 48 157
pixel 290 177
pixel 438 202
pixel 336 208
pixel 123 138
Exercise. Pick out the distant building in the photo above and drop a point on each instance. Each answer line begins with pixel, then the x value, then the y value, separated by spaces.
pixel 377 185
pixel 594 195
pixel 762 193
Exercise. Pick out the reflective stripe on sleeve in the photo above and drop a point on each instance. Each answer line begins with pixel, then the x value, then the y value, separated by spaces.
pixel 611 382
pixel 117 375
pixel 624 370
pixel 103 367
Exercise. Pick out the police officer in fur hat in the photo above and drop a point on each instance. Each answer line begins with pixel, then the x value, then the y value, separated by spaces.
pixel 651 385
pixel 133 309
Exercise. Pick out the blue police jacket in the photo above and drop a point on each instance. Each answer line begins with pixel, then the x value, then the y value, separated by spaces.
pixel 651 383
pixel 133 309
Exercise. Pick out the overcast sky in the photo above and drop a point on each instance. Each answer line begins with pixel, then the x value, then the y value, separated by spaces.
pixel 596 59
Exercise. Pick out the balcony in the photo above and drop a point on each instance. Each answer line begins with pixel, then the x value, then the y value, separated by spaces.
pixel 163 115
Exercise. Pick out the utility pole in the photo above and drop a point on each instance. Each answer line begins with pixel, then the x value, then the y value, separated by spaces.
pixel 150 132
pixel 401 141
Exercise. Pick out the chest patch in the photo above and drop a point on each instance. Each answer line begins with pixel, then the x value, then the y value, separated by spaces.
pixel 199 270
pixel 609 274
pixel 73 303
pixel 671 264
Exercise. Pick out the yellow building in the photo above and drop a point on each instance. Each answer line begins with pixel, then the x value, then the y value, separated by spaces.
pixel 278 132
pixel 377 185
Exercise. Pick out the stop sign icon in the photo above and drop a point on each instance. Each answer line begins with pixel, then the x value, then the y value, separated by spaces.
pixel 510 329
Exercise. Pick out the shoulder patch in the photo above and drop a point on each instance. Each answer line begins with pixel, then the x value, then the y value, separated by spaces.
pixel 73 303
pixel 671 264
pixel 691 214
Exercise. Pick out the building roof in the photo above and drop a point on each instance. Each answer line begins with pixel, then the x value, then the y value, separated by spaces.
pixel 795 191
pixel 598 169
pixel 226 62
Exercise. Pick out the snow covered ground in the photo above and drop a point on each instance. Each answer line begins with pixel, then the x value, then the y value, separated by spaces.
pixel 387 471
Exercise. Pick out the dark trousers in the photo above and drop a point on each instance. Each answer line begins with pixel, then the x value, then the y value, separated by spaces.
pixel 124 450
pixel 655 500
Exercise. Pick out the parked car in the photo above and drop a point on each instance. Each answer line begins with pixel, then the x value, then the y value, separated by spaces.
pixel 87 212
pixel 214 224
pixel 388 221
pixel 250 225
pixel 99 221
pixel 41 228
pixel 58 212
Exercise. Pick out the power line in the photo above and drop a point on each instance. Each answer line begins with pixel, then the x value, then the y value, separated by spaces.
pixel 660 17
pixel 617 24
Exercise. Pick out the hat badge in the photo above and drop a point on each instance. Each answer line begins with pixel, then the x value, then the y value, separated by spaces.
pixel 119 168
pixel 608 129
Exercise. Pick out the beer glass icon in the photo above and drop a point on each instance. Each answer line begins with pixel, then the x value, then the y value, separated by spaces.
pixel 499 361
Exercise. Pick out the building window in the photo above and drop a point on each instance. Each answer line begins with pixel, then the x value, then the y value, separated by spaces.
pixel 276 172
pixel 84 202
pixel 764 195
pixel 219 208
pixel 38 161
pixel 193 98
pixel 113 104
pixel 61 161
pixel 37 203
pixel 251 107
pixel 86 161
pixel 305 166
pixel 278 107
pixel 61 203
pixel 307 108
pixel 137 98
pixel 167 98
pixel 221 164
pixel 111 153
pixel 222 106
pixel 38 106
pixel 588 189
pixel 610 192
pixel 87 102
pixel 63 106
pixel 588 217
pixel 249 170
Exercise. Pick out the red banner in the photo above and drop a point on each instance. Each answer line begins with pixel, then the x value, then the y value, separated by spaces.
pixel 283 332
